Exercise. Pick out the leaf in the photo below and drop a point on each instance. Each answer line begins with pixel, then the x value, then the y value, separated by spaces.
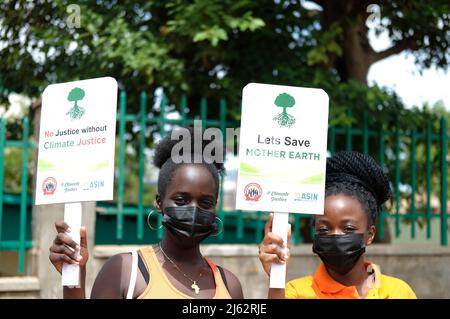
pixel 213 35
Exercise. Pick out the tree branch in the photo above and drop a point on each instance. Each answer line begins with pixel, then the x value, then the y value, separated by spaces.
pixel 397 48
pixel 313 13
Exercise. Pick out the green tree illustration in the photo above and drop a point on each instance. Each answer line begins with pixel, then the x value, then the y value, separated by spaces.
pixel 284 119
pixel 76 95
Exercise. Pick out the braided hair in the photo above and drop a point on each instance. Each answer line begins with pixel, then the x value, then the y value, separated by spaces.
pixel 164 161
pixel 359 176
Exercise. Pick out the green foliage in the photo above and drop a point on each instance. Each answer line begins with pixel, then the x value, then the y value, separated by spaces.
pixel 209 20
pixel 210 48
pixel 327 44
pixel 214 35
pixel 423 25
pixel 13 170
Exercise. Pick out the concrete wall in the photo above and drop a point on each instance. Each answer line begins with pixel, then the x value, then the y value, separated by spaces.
pixel 424 267
pixel 9 263
pixel 19 287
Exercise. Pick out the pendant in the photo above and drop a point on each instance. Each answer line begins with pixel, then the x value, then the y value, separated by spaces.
pixel 195 287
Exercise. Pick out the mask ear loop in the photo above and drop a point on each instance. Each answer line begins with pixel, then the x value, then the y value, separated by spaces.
pixel 221 228
pixel 148 221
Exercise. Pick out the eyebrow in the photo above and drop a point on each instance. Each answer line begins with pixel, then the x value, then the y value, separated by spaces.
pixel 180 193
pixel 346 220
pixel 189 195
pixel 323 220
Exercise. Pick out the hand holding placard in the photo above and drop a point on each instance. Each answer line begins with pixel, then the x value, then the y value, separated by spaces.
pixel 64 248
pixel 274 251
pixel 280 227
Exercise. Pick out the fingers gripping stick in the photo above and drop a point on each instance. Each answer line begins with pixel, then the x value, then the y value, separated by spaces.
pixel 72 217
pixel 278 271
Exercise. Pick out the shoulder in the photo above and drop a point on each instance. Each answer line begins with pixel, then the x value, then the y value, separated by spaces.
pixel 117 262
pixel 234 285
pixel 392 287
pixel 300 288
pixel 111 279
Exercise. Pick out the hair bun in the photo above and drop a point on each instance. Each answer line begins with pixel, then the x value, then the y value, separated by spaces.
pixel 355 167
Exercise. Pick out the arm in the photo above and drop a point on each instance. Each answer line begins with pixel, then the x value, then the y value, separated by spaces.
pixel 276 293
pixel 234 285
pixel 113 279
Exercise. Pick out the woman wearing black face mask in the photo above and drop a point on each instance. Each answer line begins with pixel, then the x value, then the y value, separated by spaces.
pixel 174 268
pixel 355 189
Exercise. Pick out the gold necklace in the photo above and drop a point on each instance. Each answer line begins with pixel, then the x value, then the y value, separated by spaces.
pixel 194 285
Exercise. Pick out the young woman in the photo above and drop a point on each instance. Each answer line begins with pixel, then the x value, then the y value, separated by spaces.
pixel 356 187
pixel 174 268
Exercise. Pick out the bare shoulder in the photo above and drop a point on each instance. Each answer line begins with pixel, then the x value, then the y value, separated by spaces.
pixel 234 285
pixel 111 278
pixel 117 262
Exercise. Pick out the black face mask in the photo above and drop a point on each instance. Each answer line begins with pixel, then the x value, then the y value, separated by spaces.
pixel 189 223
pixel 339 252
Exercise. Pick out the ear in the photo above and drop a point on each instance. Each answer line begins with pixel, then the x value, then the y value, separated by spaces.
pixel 371 235
pixel 158 203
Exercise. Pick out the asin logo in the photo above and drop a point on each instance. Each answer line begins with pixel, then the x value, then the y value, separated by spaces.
pixel 49 186
pixel 252 192
pixel 306 197
pixel 93 185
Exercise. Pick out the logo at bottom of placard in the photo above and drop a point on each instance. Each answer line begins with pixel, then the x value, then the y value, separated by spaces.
pixel 252 192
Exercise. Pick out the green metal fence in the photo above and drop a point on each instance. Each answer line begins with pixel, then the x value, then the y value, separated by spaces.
pixel 248 227
pixel 241 223
pixel 16 239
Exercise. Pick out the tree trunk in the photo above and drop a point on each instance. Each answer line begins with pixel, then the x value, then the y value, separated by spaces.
pixel 357 54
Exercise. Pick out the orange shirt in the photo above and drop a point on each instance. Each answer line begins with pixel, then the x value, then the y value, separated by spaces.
pixel 160 287
pixel 322 286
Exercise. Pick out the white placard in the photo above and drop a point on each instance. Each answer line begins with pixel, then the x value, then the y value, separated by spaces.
pixel 282 149
pixel 76 142
pixel 76 151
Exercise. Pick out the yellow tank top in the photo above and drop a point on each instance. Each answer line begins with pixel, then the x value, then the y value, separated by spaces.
pixel 160 287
